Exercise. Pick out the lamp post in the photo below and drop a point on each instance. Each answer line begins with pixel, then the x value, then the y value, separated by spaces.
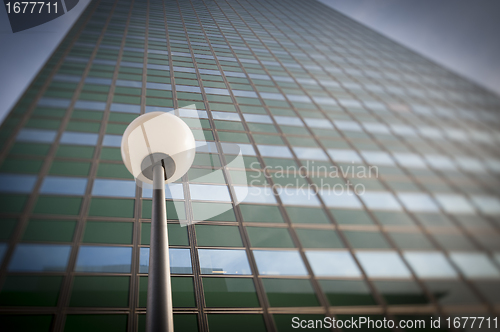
pixel 158 148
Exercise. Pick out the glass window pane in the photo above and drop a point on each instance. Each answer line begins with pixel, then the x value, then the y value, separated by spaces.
pixel 332 263
pixel 279 262
pixel 213 211
pixel 260 213
pixel 218 236
pixel 451 292
pixel 310 153
pixel 39 258
pixel 245 322
pixel 230 292
pixel 397 292
pixel 49 230
pixel 380 201
pixel 366 239
pixel 221 261
pixel 100 291
pixel 347 292
pixel 26 322
pixel 430 264
pixel 319 238
pixel 263 195
pixel 459 241
pixel 411 240
pixel 96 322
pixel 275 151
pixel 15 183
pixel 292 196
pixel 63 185
pixel 104 259
pixel 79 138
pixel 306 215
pixel 455 204
pixel 290 293
pixel 58 205
pixel 69 168
pixel 7 226
pixel 418 202
pixel 340 199
pixel 112 140
pixel 117 188
pixel 36 135
pixel 109 207
pixel 383 264
pixel 475 265
pixel 268 237
pixel 108 232
pixel 209 193
pixel 31 291
pixel 180 261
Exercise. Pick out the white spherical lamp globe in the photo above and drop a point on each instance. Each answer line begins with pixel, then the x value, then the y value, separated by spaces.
pixel 158 137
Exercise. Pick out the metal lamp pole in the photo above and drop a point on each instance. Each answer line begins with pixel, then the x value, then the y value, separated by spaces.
pixel 158 148
pixel 159 315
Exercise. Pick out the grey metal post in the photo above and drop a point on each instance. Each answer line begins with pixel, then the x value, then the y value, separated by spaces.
pixel 159 316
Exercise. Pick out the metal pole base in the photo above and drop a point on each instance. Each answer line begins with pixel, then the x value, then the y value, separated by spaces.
pixel 159 316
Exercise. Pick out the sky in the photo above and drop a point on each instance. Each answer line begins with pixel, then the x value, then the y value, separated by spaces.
pixel 461 35
pixel 24 53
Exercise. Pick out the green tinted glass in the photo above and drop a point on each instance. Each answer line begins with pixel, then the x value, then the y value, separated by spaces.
pixel 303 215
pixel 111 207
pixel 40 291
pixel 218 236
pixel 206 175
pixel 108 232
pixel 351 217
pixel 100 291
pixel 290 293
pixel 400 292
pixel 347 292
pixel 366 239
pixel 319 238
pixel 58 205
pixel 75 151
pixel 17 165
pixel 230 292
pixel 260 213
pixel 32 323
pixel 96 323
pixel 242 322
pixel 49 230
pixel 411 240
pixel 6 228
pixel 69 168
pixel 109 170
pixel 268 237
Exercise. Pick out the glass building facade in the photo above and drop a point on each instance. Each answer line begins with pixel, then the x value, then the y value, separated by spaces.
pixel 370 183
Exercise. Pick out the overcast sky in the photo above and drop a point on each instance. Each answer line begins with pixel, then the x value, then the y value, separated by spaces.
pixel 462 35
